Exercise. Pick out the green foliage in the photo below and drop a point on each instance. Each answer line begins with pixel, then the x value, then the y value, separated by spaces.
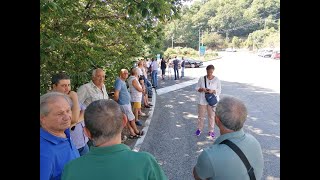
pixel 236 42
pixel 179 51
pixel 263 38
pixel 78 36
pixel 213 41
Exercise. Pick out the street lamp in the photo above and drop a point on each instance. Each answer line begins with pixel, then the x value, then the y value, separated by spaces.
pixel 172 40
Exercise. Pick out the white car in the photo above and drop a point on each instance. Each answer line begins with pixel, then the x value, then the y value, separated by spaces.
pixel 231 50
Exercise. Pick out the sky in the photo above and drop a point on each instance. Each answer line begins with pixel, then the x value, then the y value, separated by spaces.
pixel 188 3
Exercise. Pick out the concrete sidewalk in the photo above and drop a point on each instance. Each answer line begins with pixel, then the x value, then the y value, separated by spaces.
pixel 136 143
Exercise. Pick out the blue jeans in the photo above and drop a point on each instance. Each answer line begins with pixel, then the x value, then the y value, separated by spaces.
pixel 154 76
pixel 147 82
pixel 176 73
pixel 84 150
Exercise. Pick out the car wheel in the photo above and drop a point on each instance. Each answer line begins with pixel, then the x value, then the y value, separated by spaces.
pixel 192 65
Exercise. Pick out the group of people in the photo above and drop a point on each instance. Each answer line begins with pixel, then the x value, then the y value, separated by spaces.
pixel 169 64
pixel 71 121
pixel 166 66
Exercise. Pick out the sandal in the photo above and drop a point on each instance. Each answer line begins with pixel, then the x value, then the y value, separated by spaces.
pixel 140 133
pixel 133 136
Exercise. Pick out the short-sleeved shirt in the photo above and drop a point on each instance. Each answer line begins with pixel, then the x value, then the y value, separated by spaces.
pixel 124 95
pixel 213 84
pixel 220 162
pixel 183 62
pixel 163 64
pixel 115 162
pixel 55 152
pixel 154 65
pixel 175 63
pixel 77 134
pixel 89 92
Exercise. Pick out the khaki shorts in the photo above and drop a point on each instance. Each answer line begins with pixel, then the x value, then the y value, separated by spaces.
pixel 137 105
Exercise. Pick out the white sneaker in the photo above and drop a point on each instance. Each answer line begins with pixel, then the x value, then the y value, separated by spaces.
pixel 142 114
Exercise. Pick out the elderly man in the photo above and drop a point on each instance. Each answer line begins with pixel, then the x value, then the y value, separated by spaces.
pixel 61 83
pixel 93 90
pixel 109 159
pixel 56 147
pixel 122 96
pixel 219 161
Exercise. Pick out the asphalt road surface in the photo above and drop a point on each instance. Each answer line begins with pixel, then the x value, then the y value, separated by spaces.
pixel 253 79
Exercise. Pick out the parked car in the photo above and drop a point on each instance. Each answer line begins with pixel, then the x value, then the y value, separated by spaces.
pixel 276 54
pixel 192 63
pixel 265 52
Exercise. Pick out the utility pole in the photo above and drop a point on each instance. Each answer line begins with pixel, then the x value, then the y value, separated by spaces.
pixel 265 23
pixel 202 38
pixel 199 39
pixel 172 41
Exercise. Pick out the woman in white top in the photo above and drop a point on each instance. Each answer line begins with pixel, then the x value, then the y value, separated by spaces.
pixel 136 92
pixel 213 86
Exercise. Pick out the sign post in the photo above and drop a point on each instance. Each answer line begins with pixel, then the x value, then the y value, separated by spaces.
pixel 202 50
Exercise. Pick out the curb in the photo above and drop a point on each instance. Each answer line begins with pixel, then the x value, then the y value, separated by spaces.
pixel 139 142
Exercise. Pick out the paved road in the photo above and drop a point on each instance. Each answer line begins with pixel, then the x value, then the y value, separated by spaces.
pixel 255 80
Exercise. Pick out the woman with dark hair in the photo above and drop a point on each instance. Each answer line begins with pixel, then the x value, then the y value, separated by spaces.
pixel 213 85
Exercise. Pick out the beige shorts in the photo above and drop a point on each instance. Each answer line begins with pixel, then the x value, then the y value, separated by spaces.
pixel 127 110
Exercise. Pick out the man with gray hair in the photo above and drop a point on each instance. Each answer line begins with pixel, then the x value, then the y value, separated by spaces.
pixel 56 147
pixel 93 90
pixel 108 158
pixel 219 161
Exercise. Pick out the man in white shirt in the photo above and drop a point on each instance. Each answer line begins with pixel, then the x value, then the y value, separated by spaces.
pixel 93 90
pixel 154 73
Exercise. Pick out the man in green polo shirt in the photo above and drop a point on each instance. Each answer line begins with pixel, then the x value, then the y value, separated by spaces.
pixel 108 158
pixel 220 162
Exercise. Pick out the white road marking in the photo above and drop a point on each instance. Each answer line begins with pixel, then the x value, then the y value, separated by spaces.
pixel 160 91
pixel 139 142
pixel 176 86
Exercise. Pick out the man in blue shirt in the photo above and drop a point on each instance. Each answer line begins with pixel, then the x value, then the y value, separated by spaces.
pixel 122 96
pixel 56 147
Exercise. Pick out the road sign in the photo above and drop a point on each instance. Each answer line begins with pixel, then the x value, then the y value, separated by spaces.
pixel 202 50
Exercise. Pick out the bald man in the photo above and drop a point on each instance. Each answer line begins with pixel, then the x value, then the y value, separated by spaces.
pixel 122 96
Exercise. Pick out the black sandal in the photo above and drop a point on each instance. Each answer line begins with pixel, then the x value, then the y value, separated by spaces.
pixel 140 133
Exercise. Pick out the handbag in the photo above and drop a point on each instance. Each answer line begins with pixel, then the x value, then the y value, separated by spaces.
pixel 243 157
pixel 210 97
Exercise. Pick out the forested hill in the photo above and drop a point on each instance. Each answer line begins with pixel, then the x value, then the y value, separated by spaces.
pixel 220 19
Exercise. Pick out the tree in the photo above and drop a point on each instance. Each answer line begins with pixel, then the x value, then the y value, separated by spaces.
pixel 78 36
